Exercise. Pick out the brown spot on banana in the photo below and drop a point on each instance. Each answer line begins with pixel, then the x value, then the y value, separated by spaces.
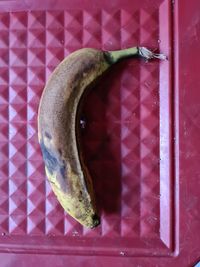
pixel 58 120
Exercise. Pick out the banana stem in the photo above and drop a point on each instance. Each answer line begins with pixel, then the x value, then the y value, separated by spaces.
pixel 115 56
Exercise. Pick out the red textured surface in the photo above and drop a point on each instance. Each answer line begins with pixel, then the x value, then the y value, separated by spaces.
pixel 135 141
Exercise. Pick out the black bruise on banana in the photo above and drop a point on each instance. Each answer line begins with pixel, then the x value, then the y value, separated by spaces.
pixel 48 135
pixel 52 163
pixel 89 66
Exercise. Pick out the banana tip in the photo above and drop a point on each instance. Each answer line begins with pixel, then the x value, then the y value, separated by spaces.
pixel 96 221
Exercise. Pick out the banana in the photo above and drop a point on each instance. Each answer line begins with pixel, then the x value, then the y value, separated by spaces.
pixel 58 123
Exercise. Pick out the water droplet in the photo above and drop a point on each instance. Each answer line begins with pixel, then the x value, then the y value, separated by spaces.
pixel 75 233
pixel 83 123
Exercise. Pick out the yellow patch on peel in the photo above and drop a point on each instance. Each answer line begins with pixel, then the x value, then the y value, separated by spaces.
pixel 52 178
pixel 71 203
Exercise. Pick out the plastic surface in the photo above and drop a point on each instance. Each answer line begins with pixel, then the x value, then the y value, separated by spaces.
pixel 139 140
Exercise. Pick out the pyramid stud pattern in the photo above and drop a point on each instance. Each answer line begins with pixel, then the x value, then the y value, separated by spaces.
pixel 120 141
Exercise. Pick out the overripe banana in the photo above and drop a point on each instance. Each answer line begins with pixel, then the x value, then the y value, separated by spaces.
pixel 58 123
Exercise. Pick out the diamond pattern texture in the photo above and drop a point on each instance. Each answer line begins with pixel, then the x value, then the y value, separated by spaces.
pixel 122 135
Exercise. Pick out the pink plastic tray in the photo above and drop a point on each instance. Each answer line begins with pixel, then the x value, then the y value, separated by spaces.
pixel 141 131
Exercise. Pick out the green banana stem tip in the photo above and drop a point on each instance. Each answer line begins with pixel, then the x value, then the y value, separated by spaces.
pixel 115 56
